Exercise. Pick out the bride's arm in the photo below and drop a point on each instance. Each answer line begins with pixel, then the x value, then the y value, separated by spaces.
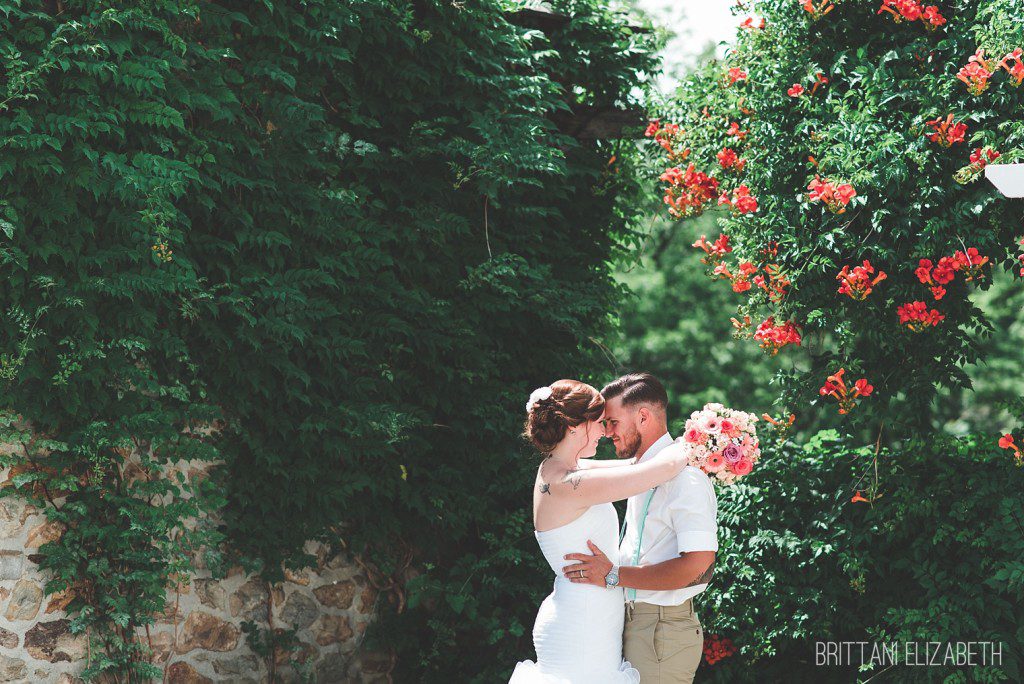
pixel 599 485
pixel 605 463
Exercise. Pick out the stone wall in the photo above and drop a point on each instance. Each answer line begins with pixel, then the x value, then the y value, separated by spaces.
pixel 199 637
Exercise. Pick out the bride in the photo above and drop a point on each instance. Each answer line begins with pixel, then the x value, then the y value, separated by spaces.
pixel 578 631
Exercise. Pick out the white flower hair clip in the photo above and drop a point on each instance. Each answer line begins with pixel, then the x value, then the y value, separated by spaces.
pixel 539 394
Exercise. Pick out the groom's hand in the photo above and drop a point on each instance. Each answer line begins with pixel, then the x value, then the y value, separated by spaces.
pixel 593 568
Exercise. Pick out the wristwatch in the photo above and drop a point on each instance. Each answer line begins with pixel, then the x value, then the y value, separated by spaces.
pixel 612 578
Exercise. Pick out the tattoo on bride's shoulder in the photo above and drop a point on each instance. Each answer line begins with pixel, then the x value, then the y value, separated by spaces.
pixel 545 488
pixel 574 477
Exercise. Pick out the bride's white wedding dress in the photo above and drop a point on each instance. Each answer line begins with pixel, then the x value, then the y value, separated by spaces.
pixel 578 632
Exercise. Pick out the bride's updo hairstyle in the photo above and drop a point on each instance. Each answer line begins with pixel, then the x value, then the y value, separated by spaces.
pixel 550 414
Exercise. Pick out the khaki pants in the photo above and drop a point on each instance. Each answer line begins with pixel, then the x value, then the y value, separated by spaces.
pixel 665 643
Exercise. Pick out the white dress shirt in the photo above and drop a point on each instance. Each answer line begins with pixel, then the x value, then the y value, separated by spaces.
pixel 682 518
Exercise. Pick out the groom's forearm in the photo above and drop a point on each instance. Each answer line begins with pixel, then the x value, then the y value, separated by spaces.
pixel 689 569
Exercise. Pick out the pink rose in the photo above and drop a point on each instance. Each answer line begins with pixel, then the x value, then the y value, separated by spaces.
pixel 694 436
pixel 714 463
pixel 732 454
pixel 742 466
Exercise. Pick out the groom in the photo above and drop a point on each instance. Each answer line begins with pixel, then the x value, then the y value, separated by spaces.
pixel 668 552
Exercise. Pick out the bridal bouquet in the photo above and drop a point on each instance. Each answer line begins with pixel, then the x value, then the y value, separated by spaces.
pixel 722 442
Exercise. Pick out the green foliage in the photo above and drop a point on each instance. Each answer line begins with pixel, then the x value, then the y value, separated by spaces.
pixel 531 306
pixel 865 127
pixel 800 562
pixel 937 557
pixel 269 644
pixel 349 239
pixel 994 378
pixel 99 389
pixel 676 324
pixel 332 247
pixel 122 516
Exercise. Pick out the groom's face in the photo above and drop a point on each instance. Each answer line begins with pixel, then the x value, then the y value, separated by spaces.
pixel 620 426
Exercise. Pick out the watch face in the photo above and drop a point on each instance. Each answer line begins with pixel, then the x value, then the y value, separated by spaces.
pixel 612 579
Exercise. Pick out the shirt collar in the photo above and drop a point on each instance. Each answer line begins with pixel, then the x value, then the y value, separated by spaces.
pixel 658 445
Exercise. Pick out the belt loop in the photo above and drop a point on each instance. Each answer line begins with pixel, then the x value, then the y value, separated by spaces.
pixel 661 612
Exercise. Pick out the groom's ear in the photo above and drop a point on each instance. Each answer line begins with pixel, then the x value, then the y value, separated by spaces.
pixel 644 413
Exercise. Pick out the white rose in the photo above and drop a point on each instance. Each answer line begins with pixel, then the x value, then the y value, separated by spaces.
pixel 539 394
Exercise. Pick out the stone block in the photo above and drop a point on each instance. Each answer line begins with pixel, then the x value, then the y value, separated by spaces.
pixel 12 669
pixel 54 642
pixel 25 600
pixel 299 611
pixel 183 673
pixel 12 564
pixel 336 594
pixel 207 632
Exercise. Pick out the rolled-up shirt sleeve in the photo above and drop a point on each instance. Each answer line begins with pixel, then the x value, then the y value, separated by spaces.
pixel 693 508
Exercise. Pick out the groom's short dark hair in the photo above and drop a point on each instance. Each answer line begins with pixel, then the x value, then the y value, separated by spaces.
pixel 637 388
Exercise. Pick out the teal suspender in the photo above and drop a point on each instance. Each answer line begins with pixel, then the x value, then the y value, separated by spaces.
pixel 639 538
